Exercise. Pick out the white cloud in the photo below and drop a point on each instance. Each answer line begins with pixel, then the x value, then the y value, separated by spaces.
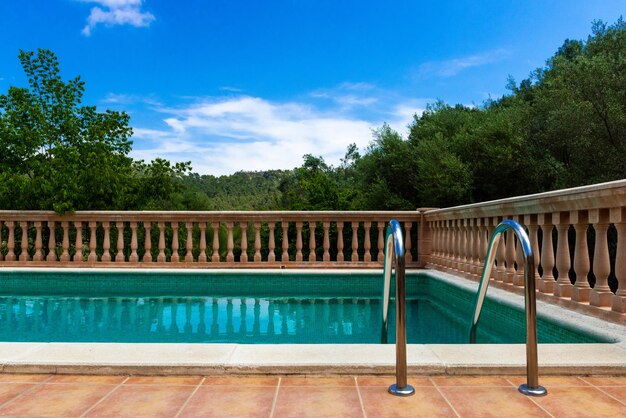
pixel 454 66
pixel 117 12
pixel 224 135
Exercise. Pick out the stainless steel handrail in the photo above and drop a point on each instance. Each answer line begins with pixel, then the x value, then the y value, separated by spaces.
pixel 394 251
pixel 531 387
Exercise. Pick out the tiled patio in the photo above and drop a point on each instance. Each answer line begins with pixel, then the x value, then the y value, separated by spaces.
pixel 287 396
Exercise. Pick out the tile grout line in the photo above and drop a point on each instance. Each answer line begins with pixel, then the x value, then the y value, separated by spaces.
pixel 25 392
pixel 444 397
pixel 92 407
pixel 531 398
pixel 609 395
pixel 198 386
pixel 280 379
pixel 358 392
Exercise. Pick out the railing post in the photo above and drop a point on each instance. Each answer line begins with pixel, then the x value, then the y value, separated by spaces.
pixel 230 242
pixel 189 243
pixel 299 256
pixel 326 256
pixel 175 258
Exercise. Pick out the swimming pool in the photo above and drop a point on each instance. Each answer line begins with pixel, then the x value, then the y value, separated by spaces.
pixel 249 307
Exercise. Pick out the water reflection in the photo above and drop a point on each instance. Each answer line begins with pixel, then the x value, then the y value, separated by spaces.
pixel 190 319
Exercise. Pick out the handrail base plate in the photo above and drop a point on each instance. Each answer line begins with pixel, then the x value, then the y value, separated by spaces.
pixel 528 391
pixel 408 390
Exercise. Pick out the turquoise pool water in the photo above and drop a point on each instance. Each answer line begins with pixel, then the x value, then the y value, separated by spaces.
pixel 290 307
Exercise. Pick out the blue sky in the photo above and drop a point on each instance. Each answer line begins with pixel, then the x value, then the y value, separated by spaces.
pixel 250 85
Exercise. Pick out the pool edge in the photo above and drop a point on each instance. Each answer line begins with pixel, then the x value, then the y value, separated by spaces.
pixel 218 359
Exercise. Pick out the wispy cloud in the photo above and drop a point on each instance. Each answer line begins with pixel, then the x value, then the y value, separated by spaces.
pixel 129 99
pixel 117 12
pixel 452 67
pixel 222 135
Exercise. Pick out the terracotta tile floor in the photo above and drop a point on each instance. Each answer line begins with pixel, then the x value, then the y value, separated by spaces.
pixel 340 396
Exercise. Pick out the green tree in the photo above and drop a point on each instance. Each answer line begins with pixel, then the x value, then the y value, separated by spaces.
pixel 54 152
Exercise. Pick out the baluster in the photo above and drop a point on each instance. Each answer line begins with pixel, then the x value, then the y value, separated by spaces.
pixel 65 242
pixel 618 301
pixel 483 230
pixel 189 243
pixel 601 294
pixel 531 222
pixel 1 227
pixel 451 245
pixel 161 257
pixel 408 225
pixel 462 245
pixel 257 242
pixel 244 242
pixel 326 256
pixel 285 255
pixel 501 256
pixel 271 257
pixel 381 241
pixel 134 257
pixel 119 257
pixel 491 227
pixel 299 241
pixel 52 242
pixel 93 257
pixel 581 289
pixel 312 244
pixel 355 241
pixel 368 243
pixel 340 256
pixel 24 243
pixel 202 258
pixel 471 247
pixel 147 256
pixel 509 251
pixel 78 243
pixel 38 256
pixel 215 258
pixel 175 258
pixel 230 242
pixel 518 279
pixel 546 284
pixel 106 245
pixel 563 285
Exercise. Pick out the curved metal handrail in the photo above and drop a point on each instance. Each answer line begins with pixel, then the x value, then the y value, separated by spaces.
pixel 531 387
pixel 394 251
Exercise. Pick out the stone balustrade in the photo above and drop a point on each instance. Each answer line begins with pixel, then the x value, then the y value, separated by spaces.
pixel 201 239
pixel 578 236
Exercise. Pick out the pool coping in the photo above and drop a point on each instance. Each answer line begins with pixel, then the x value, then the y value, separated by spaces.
pixel 215 359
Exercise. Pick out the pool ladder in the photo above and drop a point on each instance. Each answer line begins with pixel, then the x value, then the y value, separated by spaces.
pixel 394 252
pixel 531 387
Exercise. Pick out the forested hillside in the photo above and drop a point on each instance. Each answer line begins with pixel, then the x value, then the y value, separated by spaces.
pixel 563 126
